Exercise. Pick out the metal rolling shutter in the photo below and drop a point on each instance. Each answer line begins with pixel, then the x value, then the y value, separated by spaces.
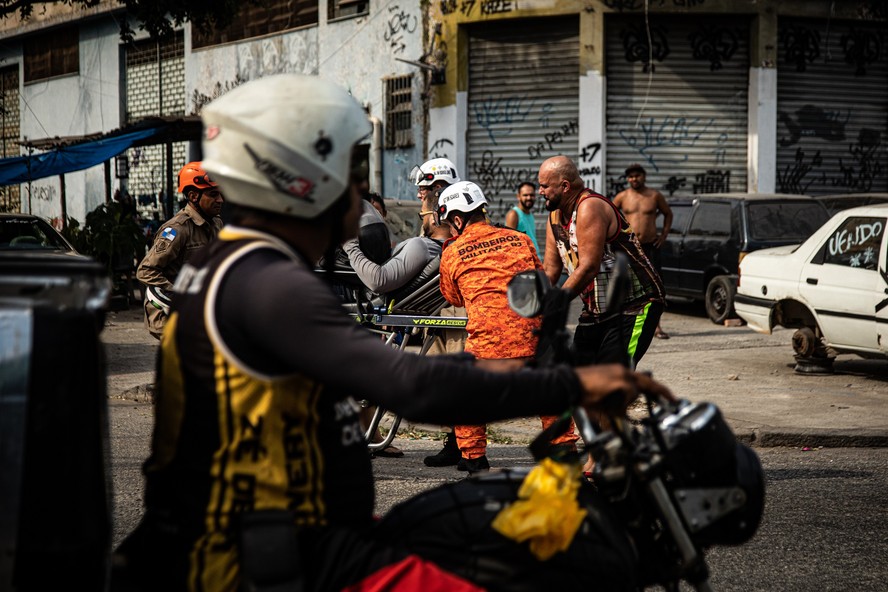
pixel 523 105
pixel 832 107
pixel 692 134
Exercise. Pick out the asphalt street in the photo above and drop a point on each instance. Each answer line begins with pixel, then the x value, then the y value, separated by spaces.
pixel 825 518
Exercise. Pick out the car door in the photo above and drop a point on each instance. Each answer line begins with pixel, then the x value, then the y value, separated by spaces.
pixel 708 237
pixel 670 252
pixel 843 285
pixel 882 299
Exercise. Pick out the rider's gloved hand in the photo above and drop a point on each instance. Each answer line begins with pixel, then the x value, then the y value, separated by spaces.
pixel 611 388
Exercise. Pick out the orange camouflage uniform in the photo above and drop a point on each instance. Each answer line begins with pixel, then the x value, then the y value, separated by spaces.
pixel 475 269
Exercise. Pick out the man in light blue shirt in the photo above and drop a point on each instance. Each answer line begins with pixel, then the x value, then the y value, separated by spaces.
pixel 520 217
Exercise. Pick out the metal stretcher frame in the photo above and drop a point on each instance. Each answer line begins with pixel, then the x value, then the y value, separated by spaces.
pixel 403 316
pixel 404 324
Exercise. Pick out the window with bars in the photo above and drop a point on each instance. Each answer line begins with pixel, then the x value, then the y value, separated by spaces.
pixel 399 111
pixel 148 51
pixel 254 21
pixel 346 8
pixel 9 112
pixel 10 126
pixel 54 53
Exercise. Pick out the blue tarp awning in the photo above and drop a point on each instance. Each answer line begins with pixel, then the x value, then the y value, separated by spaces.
pixel 66 159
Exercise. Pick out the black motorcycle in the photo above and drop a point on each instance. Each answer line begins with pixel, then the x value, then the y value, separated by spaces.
pixel 664 489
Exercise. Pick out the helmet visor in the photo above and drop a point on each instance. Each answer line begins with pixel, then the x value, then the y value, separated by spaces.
pixel 203 181
pixel 417 177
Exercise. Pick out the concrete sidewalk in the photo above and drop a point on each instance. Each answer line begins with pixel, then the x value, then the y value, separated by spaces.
pixel 748 376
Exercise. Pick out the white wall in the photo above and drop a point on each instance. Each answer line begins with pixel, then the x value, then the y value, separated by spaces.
pixel 84 103
pixel 354 52
pixel 762 130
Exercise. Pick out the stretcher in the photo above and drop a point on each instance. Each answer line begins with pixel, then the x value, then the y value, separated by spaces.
pixel 408 315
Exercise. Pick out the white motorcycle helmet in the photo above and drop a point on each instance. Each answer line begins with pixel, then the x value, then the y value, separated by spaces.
pixel 283 143
pixel 436 169
pixel 463 197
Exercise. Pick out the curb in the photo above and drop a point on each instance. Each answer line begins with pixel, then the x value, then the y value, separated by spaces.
pixel 800 438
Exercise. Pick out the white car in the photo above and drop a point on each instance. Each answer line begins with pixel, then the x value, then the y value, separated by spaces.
pixel 833 288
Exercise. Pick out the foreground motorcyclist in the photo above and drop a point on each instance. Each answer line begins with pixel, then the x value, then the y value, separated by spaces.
pixel 259 476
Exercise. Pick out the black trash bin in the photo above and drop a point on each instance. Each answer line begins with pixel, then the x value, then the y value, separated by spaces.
pixel 55 491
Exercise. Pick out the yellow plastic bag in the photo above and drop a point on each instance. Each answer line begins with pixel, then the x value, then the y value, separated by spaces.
pixel 546 513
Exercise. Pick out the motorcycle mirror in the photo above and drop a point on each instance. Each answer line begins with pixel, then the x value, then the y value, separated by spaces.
pixel 525 292
pixel 620 283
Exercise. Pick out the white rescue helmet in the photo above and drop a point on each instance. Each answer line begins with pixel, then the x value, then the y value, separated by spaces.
pixel 463 197
pixel 436 169
pixel 159 299
pixel 283 143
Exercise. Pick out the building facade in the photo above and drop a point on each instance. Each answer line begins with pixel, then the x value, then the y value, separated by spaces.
pixel 66 73
pixel 708 95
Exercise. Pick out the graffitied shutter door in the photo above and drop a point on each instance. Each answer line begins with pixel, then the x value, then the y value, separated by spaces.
pixel 523 104
pixel 689 131
pixel 832 110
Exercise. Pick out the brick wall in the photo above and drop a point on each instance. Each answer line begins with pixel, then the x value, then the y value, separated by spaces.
pixel 153 74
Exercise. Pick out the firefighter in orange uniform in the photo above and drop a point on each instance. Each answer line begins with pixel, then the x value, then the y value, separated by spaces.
pixel 476 267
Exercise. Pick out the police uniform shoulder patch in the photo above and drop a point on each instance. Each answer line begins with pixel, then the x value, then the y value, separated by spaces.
pixel 165 239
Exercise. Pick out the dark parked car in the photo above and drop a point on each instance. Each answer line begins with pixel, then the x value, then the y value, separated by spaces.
pixel 712 232
pixel 28 232
pixel 37 263
pixel 843 201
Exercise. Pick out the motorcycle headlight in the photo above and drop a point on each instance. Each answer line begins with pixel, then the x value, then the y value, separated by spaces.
pixel 718 483
pixel 730 514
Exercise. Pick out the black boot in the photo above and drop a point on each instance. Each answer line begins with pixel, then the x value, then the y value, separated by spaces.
pixel 447 456
pixel 473 465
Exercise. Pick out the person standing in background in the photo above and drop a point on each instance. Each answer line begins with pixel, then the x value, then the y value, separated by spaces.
pixel 177 241
pixel 642 205
pixel 520 217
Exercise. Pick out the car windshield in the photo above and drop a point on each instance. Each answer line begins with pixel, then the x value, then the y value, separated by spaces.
pixel 29 233
pixel 788 221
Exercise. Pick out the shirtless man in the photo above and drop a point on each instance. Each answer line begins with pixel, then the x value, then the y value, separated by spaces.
pixel 641 205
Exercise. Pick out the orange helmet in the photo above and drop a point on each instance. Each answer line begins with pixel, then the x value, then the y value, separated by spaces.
pixel 194 175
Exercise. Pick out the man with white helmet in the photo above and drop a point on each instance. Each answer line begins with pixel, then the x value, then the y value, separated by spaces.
pixel 432 176
pixel 407 263
pixel 259 476
pixel 475 271
pixel 177 241
pixel 409 257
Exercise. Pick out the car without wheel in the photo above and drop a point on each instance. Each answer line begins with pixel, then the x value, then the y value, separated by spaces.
pixel 833 289
pixel 711 234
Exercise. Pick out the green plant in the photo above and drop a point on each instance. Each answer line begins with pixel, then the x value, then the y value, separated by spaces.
pixel 111 236
pixel 74 234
